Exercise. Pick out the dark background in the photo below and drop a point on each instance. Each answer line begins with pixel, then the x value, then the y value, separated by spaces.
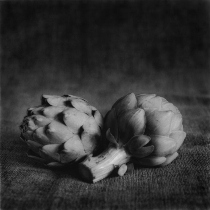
pixel 88 48
pixel 101 50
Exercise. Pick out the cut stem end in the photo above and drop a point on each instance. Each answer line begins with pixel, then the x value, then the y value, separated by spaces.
pixel 94 169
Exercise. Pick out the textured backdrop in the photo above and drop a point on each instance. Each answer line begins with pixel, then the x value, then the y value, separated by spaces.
pixel 101 50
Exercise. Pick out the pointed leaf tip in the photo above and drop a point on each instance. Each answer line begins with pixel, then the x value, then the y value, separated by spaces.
pixel 125 103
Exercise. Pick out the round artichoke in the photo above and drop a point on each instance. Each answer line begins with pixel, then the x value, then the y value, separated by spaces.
pixel 63 129
pixel 144 129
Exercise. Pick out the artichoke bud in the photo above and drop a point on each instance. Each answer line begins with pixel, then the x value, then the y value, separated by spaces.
pixel 125 124
pixel 62 130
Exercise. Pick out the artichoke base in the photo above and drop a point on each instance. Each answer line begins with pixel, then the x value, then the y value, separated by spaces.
pixel 94 169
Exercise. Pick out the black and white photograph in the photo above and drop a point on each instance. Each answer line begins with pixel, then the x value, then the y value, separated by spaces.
pixel 105 104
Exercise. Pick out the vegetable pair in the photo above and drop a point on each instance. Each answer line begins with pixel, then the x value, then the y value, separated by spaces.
pixel 142 129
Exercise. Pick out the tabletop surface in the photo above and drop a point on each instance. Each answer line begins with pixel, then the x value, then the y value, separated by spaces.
pixel 101 60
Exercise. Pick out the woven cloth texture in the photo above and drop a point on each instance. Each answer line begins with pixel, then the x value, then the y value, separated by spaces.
pixel 101 51
pixel 184 184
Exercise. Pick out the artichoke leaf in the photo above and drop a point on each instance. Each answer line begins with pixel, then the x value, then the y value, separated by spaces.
pixel 98 118
pixel 143 97
pixel 40 136
pixel 40 120
pixel 81 106
pixel 163 145
pixel 152 103
pixel 131 123
pixel 176 122
pixel 159 122
pixel 54 165
pixel 169 106
pixel 34 146
pixel 137 141
pixel 178 137
pixel 127 102
pixel 89 141
pixel 57 132
pixel 74 119
pixel 56 101
pixel 27 135
pixel 142 151
pixel 75 97
pixel 52 111
pixel 72 149
pixel 29 124
pixel 90 136
pixel 50 152
pixel 35 110
pixel 36 157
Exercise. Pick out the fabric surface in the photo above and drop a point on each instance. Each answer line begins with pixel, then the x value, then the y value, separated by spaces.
pixel 101 51
pixel 184 184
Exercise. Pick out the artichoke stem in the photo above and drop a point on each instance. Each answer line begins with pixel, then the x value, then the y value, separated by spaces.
pixel 94 169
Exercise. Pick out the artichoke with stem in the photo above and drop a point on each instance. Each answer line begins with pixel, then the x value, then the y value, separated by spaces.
pixel 144 129
pixel 62 130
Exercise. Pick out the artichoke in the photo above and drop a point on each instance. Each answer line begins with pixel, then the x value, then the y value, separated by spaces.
pixel 62 130
pixel 143 129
